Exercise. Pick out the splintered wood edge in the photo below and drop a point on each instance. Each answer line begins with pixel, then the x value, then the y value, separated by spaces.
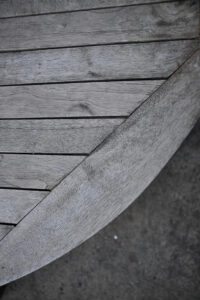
pixel 107 181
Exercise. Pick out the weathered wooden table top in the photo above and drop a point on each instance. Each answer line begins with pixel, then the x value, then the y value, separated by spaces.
pixel 95 97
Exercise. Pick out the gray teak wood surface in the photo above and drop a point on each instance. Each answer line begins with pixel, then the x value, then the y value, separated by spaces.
pixel 111 25
pixel 76 61
pixel 106 182
pixel 128 61
pixel 118 98
pixel 35 171
pixel 54 136
pixel 15 204
pixel 10 8
pixel 4 229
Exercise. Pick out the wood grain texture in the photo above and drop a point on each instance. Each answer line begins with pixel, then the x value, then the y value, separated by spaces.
pixel 10 8
pixel 35 171
pixel 132 61
pixel 4 229
pixel 15 204
pixel 54 136
pixel 125 24
pixel 108 180
pixel 75 99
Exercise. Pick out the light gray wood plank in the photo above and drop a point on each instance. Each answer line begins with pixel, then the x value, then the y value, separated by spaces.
pixel 4 229
pixel 15 204
pixel 10 8
pixel 75 99
pixel 151 60
pixel 35 171
pixel 54 136
pixel 109 179
pixel 126 24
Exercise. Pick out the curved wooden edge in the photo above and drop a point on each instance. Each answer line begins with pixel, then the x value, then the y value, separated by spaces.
pixel 109 180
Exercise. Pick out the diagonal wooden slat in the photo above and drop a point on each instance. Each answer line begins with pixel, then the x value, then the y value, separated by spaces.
pixel 114 25
pixel 107 181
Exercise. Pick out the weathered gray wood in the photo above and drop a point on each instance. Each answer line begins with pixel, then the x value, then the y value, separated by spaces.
pixel 35 171
pixel 15 204
pixel 108 180
pixel 54 136
pixel 112 25
pixel 4 229
pixel 151 60
pixel 74 99
pixel 10 8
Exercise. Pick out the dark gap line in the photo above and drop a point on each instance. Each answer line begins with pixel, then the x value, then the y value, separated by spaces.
pixel 69 118
pixel 38 153
pixel 8 224
pixel 87 9
pixel 24 189
pixel 97 45
pixel 85 81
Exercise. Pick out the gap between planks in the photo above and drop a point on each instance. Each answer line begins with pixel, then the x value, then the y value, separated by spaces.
pixel 65 10
pixel 104 44
pixel 85 81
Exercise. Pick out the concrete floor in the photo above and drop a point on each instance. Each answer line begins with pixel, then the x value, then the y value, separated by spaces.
pixel 150 252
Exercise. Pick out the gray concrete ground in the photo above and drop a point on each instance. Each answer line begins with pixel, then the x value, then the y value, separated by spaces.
pixel 150 252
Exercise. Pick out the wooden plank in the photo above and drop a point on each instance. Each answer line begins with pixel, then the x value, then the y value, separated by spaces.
pixel 35 171
pixel 15 204
pixel 54 136
pixel 118 98
pixel 132 61
pixel 10 8
pixel 125 24
pixel 4 229
pixel 108 180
